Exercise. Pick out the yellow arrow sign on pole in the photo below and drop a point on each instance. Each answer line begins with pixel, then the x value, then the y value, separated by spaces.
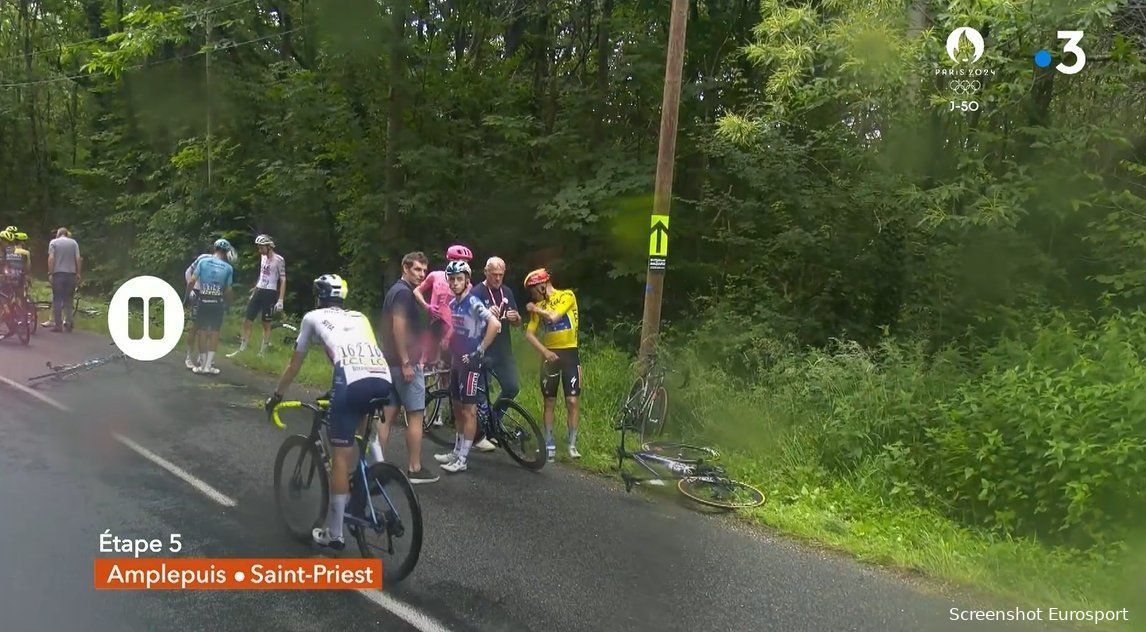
pixel 658 236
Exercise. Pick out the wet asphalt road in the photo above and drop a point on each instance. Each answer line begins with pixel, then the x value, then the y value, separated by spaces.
pixel 504 549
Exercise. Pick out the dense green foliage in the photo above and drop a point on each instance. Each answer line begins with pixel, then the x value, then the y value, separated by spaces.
pixel 883 265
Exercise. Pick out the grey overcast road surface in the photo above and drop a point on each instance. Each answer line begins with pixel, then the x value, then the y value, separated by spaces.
pixel 505 549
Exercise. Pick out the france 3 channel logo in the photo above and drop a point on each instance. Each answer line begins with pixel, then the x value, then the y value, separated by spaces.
pixel 965 47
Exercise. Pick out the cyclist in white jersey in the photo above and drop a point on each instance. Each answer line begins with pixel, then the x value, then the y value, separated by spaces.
pixel 267 295
pixel 360 375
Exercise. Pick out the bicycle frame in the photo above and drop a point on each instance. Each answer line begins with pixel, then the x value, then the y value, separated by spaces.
pixel 60 371
pixel 319 436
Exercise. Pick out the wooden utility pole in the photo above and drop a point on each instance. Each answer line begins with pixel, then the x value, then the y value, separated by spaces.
pixel 662 196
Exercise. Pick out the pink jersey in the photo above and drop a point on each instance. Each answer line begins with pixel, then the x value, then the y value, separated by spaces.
pixel 440 296
pixel 439 300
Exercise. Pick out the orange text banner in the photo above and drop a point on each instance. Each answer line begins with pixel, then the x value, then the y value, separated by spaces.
pixel 201 573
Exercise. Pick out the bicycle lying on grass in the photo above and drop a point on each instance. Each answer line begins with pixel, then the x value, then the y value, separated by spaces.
pixel 373 518
pixel 696 479
pixel 62 371
pixel 504 422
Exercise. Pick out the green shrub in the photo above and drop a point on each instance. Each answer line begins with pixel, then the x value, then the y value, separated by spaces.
pixel 1056 446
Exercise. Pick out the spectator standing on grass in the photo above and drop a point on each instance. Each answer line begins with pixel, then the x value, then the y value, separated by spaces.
pixel 65 270
pixel 268 294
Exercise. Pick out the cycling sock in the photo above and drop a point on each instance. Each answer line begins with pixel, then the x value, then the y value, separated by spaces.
pixel 375 455
pixel 210 359
pixel 337 512
pixel 465 451
pixel 202 359
pixel 263 347
pixel 572 436
pixel 457 444
pixel 548 435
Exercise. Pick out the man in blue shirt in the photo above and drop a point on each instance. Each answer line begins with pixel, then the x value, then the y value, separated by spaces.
pixel 214 277
pixel 474 329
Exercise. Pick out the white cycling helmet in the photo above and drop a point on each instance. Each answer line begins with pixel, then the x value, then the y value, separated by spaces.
pixel 264 240
pixel 458 267
pixel 330 287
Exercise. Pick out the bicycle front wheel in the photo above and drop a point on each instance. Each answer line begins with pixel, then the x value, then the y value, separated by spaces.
pixel 394 522
pixel 720 492
pixel 521 436
pixel 681 452
pixel 656 415
pixel 302 486
pixel 438 418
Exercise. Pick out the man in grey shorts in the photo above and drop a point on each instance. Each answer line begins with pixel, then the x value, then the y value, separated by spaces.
pixel 402 332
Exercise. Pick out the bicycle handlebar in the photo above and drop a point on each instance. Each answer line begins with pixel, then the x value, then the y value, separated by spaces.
pixel 318 406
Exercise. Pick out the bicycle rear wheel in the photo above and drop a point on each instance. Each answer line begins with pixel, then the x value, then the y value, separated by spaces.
pixel 33 316
pixel 521 437
pixel 21 326
pixel 681 452
pixel 394 517
pixel 720 492
pixel 302 486
pixel 438 419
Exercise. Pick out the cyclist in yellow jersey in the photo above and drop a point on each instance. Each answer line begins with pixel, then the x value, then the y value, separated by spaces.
pixel 17 261
pixel 555 313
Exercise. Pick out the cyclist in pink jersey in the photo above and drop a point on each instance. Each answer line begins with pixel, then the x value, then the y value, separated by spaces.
pixel 438 288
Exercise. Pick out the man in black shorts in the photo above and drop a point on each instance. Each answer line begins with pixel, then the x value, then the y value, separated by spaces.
pixel 268 294
pixel 554 313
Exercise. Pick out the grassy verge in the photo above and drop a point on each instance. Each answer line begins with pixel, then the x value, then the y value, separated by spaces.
pixel 845 512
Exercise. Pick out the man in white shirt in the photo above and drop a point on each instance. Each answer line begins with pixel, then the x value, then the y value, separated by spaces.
pixel 267 295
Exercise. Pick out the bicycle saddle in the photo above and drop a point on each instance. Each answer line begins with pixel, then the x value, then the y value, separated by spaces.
pixel 379 402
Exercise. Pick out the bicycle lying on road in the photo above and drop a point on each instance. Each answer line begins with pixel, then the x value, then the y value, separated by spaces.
pixel 503 422
pixel 373 518
pixel 62 371
pixel 696 479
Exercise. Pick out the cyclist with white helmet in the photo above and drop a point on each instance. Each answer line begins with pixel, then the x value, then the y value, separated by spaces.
pixel 192 300
pixel 268 294
pixel 360 375
pixel 474 329
pixel 214 276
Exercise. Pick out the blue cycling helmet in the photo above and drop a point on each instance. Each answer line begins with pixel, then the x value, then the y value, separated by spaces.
pixel 224 245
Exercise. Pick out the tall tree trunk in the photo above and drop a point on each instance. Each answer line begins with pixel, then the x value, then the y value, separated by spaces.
pixel 515 30
pixel 392 222
pixel 604 48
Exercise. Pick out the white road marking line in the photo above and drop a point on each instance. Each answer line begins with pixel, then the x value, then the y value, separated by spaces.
pixel 40 396
pixel 420 620
pixel 409 614
pixel 209 491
